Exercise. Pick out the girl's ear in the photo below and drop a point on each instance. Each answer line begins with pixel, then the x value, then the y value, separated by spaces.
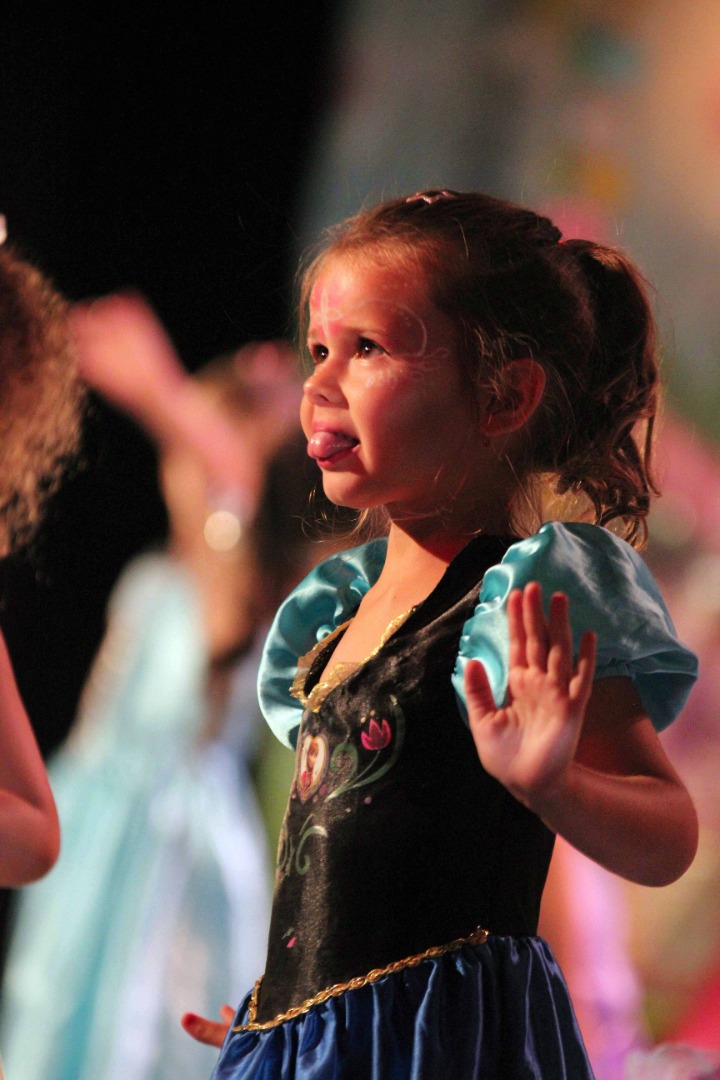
pixel 515 397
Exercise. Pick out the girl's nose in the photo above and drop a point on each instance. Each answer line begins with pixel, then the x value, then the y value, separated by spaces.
pixel 322 387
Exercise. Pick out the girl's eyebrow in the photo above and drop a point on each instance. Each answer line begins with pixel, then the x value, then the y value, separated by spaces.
pixel 358 327
pixel 314 333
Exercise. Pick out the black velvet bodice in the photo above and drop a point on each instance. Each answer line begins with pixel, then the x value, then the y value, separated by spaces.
pixel 395 838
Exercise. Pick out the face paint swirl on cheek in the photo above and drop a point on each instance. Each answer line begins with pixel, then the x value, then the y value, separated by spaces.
pixel 381 379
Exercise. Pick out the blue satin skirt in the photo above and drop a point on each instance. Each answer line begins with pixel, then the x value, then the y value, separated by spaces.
pixel 497 1011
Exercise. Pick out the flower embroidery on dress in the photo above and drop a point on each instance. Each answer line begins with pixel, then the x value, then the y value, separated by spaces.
pixel 377 737
pixel 317 769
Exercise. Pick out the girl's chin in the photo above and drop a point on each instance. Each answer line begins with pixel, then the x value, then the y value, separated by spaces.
pixel 342 493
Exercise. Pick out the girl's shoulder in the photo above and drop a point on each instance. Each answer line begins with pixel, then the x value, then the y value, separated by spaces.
pixel 611 591
pixel 322 601
pixel 576 556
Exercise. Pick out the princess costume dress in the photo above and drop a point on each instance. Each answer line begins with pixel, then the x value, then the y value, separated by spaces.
pixel 403 936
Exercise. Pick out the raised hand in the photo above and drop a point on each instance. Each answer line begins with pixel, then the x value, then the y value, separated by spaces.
pixel 210 1032
pixel 125 354
pixel 530 742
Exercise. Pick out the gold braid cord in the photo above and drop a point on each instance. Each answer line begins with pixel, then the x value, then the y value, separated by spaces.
pixel 478 937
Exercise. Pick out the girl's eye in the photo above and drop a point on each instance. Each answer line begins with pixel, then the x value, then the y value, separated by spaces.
pixel 318 352
pixel 368 347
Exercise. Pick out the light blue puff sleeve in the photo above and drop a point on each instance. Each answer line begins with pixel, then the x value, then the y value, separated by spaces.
pixel 324 600
pixel 611 591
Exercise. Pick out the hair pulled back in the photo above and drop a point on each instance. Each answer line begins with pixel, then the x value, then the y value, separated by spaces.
pixel 516 290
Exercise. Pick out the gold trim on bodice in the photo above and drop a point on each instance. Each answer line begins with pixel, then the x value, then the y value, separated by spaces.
pixel 478 937
pixel 339 671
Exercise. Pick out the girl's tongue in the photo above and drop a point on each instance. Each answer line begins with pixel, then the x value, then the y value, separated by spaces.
pixel 325 444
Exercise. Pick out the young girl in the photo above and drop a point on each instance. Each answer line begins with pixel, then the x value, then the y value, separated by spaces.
pixel 482 676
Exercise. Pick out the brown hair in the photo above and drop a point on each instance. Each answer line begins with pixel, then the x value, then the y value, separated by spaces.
pixel 514 290
pixel 41 399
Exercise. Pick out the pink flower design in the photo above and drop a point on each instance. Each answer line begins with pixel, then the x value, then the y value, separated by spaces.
pixel 377 737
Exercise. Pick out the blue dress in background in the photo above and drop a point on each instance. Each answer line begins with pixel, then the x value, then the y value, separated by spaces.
pixel 160 900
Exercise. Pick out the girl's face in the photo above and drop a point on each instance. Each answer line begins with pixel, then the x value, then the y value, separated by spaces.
pixel 387 413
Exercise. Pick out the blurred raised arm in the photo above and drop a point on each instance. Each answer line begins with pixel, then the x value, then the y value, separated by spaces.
pixel 125 355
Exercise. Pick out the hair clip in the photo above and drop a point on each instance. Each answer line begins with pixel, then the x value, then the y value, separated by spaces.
pixel 430 197
pixel 3 229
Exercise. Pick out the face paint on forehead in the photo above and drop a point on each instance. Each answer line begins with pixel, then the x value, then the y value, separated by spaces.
pixel 340 301
pixel 325 307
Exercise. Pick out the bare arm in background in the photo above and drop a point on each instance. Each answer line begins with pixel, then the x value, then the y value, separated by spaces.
pixel 29 829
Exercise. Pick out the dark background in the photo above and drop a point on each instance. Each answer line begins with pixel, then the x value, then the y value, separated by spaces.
pixel 161 150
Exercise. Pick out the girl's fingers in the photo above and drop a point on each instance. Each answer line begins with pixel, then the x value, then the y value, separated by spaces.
pixel 516 629
pixel 560 656
pixel 582 682
pixel 547 643
pixel 536 632
pixel 227 1013
pixel 478 694
pixel 205 1031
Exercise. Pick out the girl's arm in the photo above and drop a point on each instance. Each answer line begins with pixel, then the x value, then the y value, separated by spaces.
pixel 622 803
pixel 29 829
pixel 582 755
